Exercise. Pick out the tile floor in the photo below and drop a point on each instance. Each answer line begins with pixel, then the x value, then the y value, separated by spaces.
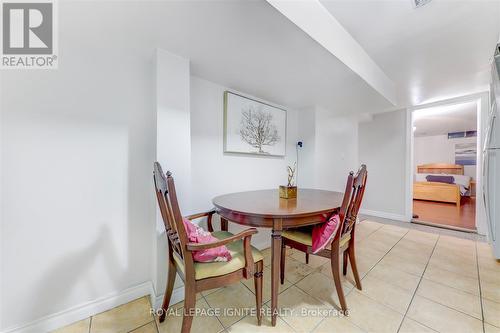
pixel 413 281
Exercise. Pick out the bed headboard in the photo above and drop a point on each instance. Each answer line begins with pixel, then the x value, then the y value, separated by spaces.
pixel 438 168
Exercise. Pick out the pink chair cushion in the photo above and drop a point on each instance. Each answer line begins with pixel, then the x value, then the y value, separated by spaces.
pixel 196 234
pixel 322 234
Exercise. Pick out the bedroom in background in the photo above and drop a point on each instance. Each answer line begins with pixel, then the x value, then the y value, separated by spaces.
pixel 445 141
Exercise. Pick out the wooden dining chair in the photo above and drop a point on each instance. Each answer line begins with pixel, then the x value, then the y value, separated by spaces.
pixel 246 260
pixel 301 238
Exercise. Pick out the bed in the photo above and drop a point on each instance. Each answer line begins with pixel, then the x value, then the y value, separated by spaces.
pixel 437 191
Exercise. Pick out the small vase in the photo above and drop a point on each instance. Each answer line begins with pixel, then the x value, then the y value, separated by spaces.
pixel 288 192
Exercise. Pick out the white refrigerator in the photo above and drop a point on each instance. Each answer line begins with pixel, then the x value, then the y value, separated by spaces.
pixel 491 159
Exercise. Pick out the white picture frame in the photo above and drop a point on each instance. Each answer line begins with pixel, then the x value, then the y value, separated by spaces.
pixel 253 127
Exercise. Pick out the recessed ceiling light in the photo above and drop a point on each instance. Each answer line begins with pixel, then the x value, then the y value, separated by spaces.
pixel 420 3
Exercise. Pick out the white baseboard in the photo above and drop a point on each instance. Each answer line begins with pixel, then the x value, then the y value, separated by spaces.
pixel 385 215
pixel 177 296
pixel 85 310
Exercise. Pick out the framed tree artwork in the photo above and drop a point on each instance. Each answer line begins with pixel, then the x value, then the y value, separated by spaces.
pixel 253 127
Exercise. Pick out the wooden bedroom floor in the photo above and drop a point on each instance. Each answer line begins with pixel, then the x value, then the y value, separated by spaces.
pixel 447 214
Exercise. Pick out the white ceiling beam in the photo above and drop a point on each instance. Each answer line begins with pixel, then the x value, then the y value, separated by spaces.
pixel 316 21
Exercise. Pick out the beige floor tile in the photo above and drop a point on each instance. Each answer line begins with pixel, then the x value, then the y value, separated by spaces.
pixel 368 225
pixel 314 261
pixel 362 235
pixel 465 250
pixel 452 279
pixel 414 246
pixel 410 267
pixel 491 329
pixel 295 270
pixel 293 303
pixel 323 288
pixel 411 326
pixel 491 312
pixel 484 250
pixel 266 287
pixel 379 241
pixel 394 230
pixel 337 324
pixel 442 318
pixel 267 256
pixel 206 292
pixel 290 251
pixel 451 297
pixel 490 263
pixel 370 244
pixel 249 324
pixel 387 294
pixel 148 328
pixel 363 266
pixel 421 237
pixel 456 243
pixel 235 296
pixel 370 315
pixel 488 275
pixel 123 318
pixel 366 259
pixel 491 290
pixel 462 268
pixel 203 322
pixel 178 282
pixel 455 253
pixel 457 257
pixel 409 255
pixel 394 276
pixel 81 326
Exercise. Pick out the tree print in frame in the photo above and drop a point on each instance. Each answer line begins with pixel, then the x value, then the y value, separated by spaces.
pixel 253 127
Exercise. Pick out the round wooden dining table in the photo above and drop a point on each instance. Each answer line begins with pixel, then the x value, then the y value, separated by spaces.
pixel 265 209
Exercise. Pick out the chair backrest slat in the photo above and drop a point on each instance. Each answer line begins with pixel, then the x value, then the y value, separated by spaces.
pixel 170 211
pixel 353 195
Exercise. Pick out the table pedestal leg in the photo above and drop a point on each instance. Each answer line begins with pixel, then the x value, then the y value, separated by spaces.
pixel 275 273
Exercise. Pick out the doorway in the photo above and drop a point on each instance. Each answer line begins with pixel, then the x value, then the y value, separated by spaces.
pixel 445 164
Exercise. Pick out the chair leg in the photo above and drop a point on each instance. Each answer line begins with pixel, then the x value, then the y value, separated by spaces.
pixel 189 304
pixel 336 277
pixel 354 267
pixel 307 258
pixel 258 290
pixel 172 271
pixel 344 263
pixel 282 263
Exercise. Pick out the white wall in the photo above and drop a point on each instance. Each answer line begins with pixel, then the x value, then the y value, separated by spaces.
pixel 307 134
pixel 173 146
pixel 330 149
pixel 214 172
pixel 439 149
pixel 78 145
pixel 382 147
pixel 336 150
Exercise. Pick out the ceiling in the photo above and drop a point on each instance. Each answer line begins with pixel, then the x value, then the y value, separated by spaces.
pixel 438 51
pixel 433 52
pixel 244 45
pixel 441 120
